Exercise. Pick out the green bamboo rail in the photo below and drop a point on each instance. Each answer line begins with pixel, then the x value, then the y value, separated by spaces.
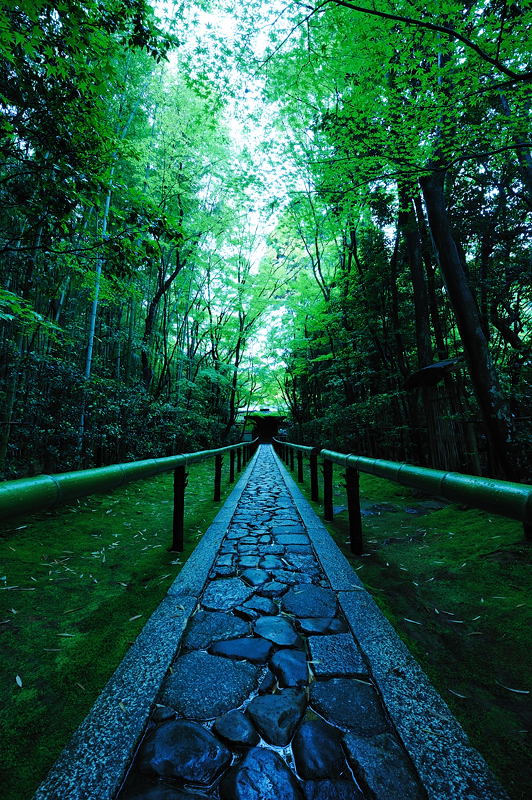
pixel 508 499
pixel 42 492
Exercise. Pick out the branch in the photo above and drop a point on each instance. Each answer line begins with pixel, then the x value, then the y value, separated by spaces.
pixel 415 172
pixel 415 169
pixel 431 26
pixel 297 25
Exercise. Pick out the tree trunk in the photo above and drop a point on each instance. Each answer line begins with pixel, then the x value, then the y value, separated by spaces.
pixel 162 287
pixel 492 403
pixel 437 431
pixel 437 326
pixel 523 153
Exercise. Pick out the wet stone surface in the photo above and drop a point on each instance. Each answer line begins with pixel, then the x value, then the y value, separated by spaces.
pixel 310 601
pixel 235 728
pixel 267 662
pixel 211 626
pixel 276 716
pixel 262 775
pixel 255 577
pixel 350 704
pixel 149 792
pixel 318 751
pixel 321 625
pixel 336 655
pixel 381 765
pixel 185 751
pixel 290 667
pixel 223 595
pixel 273 589
pixel 277 629
pixel 252 649
pixel 334 790
pixel 202 686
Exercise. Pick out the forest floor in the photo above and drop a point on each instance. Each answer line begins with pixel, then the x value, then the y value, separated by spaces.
pixel 454 583
pixel 77 585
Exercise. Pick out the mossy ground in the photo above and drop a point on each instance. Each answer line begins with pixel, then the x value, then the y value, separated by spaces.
pixel 76 587
pixel 455 584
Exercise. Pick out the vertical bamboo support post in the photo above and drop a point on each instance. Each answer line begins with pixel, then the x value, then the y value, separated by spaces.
pixel 352 485
pixel 328 490
pixel 239 460
pixel 218 459
pixel 314 485
pixel 291 457
pixel 299 466
pixel 178 528
pixel 231 466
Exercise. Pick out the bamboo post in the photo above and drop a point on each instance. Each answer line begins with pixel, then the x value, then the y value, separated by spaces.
pixel 178 529
pixel 299 466
pixel 352 485
pixel 231 466
pixel 328 490
pixel 291 457
pixel 239 460
pixel 314 485
pixel 218 460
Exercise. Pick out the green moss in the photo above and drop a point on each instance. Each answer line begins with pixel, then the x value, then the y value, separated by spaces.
pixel 455 585
pixel 87 578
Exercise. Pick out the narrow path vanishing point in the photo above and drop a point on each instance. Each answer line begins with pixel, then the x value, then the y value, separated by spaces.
pixel 289 684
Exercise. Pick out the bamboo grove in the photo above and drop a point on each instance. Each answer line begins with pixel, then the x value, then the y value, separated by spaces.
pixel 383 296
pixel 410 216
pixel 126 249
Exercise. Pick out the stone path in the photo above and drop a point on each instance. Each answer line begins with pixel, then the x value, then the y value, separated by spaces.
pixel 268 673
pixel 270 697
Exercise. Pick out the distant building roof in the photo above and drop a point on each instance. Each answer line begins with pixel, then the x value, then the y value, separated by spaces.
pixel 432 374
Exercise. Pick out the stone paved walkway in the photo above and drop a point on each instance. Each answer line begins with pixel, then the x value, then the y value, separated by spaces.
pixel 268 673
pixel 270 697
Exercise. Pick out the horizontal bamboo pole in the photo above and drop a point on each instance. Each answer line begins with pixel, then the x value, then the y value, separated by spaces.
pixel 26 495
pixel 499 497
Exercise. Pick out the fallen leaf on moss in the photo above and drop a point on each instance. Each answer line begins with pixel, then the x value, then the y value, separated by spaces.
pixel 457 694
pixel 516 691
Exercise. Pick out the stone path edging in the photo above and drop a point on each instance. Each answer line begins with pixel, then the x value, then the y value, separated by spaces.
pixel 93 763
pixel 449 768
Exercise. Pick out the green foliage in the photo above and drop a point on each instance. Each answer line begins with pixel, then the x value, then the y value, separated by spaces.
pixel 130 307
pixel 372 105
pixel 14 308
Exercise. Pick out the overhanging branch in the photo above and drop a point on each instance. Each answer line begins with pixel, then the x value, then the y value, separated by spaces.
pixel 432 26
